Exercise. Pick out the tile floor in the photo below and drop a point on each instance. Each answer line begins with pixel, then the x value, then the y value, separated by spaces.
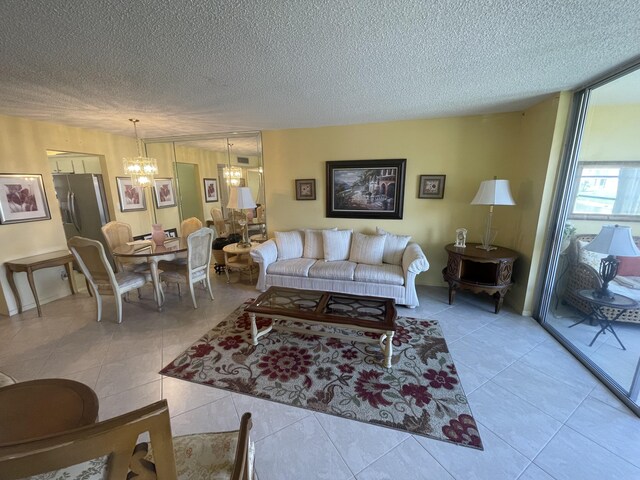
pixel 541 414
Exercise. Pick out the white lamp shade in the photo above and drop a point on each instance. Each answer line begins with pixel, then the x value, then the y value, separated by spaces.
pixel 493 192
pixel 240 198
pixel 614 240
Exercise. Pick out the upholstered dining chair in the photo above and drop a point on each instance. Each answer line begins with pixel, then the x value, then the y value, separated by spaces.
pixel 219 223
pixel 108 450
pixel 117 234
pixel 197 267
pixel 93 262
pixel 189 225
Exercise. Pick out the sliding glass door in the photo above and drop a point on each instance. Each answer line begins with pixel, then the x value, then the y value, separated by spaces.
pixel 599 197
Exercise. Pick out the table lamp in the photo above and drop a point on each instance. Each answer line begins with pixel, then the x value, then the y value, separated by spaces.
pixel 240 198
pixel 492 192
pixel 613 240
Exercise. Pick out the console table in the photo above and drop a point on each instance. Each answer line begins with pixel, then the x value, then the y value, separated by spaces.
pixel 36 262
pixel 477 270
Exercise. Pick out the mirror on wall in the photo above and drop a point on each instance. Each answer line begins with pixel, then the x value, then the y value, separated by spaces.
pixel 205 168
pixel 601 195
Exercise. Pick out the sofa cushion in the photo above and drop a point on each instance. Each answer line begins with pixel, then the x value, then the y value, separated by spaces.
pixel 295 267
pixel 394 246
pixel 313 244
pixel 628 282
pixel 290 244
pixel 590 258
pixel 336 244
pixel 367 249
pixel 629 266
pixel 385 273
pixel 339 270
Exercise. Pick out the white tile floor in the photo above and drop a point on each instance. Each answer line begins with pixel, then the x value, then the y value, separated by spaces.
pixel 541 414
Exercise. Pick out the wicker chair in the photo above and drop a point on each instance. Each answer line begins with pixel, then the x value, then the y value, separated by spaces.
pixel 581 276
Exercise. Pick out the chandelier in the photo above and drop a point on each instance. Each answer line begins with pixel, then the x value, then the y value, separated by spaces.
pixel 232 175
pixel 140 169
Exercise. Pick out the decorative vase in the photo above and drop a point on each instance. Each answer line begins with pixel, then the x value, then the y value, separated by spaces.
pixel 158 234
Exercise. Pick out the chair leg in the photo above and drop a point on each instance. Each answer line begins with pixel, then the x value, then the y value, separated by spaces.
pixel 139 293
pixel 226 270
pixel 118 307
pixel 98 304
pixel 207 282
pixel 179 290
pixel 193 295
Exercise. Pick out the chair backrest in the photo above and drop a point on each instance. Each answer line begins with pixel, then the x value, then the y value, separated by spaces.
pixel 260 213
pixel 112 441
pixel 218 221
pixel 199 245
pixel 93 262
pixel 116 234
pixel 189 225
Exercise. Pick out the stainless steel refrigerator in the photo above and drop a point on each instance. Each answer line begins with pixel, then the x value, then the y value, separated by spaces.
pixel 83 205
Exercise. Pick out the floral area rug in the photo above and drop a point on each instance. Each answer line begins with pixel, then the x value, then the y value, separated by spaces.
pixel 421 393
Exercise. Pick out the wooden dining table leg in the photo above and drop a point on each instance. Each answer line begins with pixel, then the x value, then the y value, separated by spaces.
pixel 14 289
pixel 72 282
pixel 32 285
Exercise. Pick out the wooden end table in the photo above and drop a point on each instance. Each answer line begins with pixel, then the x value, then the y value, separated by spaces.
pixel 478 270
pixel 37 408
pixel 36 262
pixel 355 312
pixel 597 303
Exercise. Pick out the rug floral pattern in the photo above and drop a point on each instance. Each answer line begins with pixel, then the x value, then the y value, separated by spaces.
pixel 421 393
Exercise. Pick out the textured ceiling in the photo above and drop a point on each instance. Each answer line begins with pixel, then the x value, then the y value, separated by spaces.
pixel 195 66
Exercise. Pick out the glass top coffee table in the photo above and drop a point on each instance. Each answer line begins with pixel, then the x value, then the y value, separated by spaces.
pixel 348 312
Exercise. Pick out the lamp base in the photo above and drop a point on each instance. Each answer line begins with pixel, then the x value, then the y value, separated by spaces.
pixel 603 293
pixel 487 248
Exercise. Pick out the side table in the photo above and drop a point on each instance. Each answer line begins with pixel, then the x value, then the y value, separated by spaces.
pixel 36 262
pixel 478 270
pixel 238 258
pixel 597 304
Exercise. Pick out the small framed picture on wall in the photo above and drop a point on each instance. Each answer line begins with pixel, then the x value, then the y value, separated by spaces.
pixel 22 198
pixel 431 186
pixel 306 189
pixel 164 192
pixel 210 189
pixel 131 196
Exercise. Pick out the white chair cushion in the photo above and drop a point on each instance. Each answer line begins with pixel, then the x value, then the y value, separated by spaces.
pixel 336 244
pixel 339 270
pixel 130 280
pixel 385 273
pixel 313 244
pixel 394 246
pixel 95 469
pixel 290 244
pixel 295 267
pixel 367 249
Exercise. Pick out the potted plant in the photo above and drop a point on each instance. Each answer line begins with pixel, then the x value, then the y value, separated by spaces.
pixel 567 232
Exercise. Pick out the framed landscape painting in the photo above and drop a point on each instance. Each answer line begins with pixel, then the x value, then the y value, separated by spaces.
pixel 131 196
pixel 164 193
pixel 366 188
pixel 210 190
pixel 22 198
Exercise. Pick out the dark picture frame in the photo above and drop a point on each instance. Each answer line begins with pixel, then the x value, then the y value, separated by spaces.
pixel 366 188
pixel 164 192
pixel 210 189
pixel 306 189
pixel 22 198
pixel 132 197
pixel 431 186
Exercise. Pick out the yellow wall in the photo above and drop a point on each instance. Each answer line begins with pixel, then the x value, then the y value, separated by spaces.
pixel 467 150
pixel 23 145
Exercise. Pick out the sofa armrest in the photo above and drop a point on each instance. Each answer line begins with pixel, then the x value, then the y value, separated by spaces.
pixel 264 255
pixel 414 260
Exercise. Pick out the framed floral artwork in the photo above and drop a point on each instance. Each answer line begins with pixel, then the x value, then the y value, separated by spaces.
pixel 431 186
pixel 306 189
pixel 164 193
pixel 131 196
pixel 22 198
pixel 210 190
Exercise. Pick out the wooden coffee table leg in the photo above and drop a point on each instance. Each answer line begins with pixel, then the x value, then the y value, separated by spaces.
pixel 387 347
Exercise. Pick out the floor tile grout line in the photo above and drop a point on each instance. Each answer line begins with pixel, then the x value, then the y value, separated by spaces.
pixel 353 474
pixel 434 457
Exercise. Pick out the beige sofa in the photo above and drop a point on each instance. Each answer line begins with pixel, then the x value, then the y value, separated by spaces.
pixel 381 265
pixel 582 273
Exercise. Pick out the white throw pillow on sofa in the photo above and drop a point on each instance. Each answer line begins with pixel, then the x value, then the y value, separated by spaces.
pixel 313 244
pixel 394 246
pixel 336 244
pixel 290 244
pixel 367 249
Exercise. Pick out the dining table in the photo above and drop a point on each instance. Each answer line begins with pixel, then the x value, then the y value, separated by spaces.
pixel 152 253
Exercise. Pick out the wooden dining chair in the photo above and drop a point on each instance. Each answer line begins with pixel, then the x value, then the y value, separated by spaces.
pixel 190 225
pixel 219 223
pixel 115 235
pixel 108 450
pixel 93 262
pixel 197 267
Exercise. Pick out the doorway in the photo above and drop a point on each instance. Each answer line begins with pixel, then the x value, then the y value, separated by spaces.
pixel 189 191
